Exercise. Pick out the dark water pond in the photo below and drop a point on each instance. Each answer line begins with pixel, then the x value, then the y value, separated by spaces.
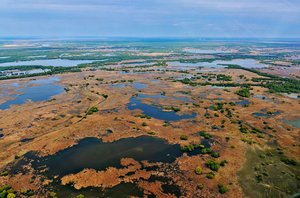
pixel 262 114
pixel 37 90
pixel 155 111
pixel 243 102
pixel 122 190
pixel 95 154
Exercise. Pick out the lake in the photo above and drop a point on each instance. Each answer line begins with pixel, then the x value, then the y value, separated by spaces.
pixel 48 62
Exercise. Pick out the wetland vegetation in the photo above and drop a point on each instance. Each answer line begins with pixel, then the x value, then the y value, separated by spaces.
pixel 152 119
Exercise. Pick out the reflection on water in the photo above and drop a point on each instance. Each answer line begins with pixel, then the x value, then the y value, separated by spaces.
pixel 37 90
pixel 48 62
pixel 155 111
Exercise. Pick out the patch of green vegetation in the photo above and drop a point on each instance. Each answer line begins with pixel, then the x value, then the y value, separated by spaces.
pixel 206 150
pixel 223 162
pixel 222 188
pixel 4 173
pixel 200 186
pixel 244 92
pixel 210 175
pixel 151 133
pixel 198 170
pixel 188 148
pixel 52 195
pixel 243 129
pixel 205 135
pixel 92 110
pixel 215 154
pixel 212 165
pixel 144 124
pixel 289 161
pixel 265 172
pixel 184 137
pixel 275 84
pixel 27 192
pixel 144 116
pixel 223 77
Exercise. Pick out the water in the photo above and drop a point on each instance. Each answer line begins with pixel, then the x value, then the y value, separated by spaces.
pixel 205 51
pixel 95 154
pixel 155 111
pixel 139 86
pixel 247 63
pixel 243 102
pixel 119 85
pixel 123 190
pixel 37 90
pixel 48 62
pixel 261 114
pixel 294 123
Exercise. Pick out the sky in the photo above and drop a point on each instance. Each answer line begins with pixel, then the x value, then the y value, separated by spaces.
pixel 150 18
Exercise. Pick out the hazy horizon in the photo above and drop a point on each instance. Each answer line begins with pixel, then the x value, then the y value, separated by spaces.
pixel 150 19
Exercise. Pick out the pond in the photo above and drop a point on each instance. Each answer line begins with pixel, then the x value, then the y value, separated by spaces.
pixel 156 111
pixel 139 86
pixel 247 63
pixel 243 102
pixel 262 114
pixel 48 62
pixel 294 123
pixel 37 90
pixel 95 154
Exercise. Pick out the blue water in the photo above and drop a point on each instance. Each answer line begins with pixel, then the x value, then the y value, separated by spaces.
pixel 139 86
pixel 243 102
pixel 48 62
pixel 37 90
pixel 155 111
pixel 261 114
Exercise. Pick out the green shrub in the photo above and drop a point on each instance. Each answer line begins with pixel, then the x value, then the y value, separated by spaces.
pixel 183 137
pixel 210 175
pixel 289 161
pixel 198 170
pixel 28 192
pixel 200 186
pixel 80 196
pixel 92 110
pixel 4 173
pixel 188 148
pixel 206 151
pixel 11 195
pixel 204 134
pixel 215 154
pixel 223 162
pixel 144 124
pixel 212 165
pixel 52 195
pixel 151 133
pixel 222 188
pixel 244 92
pixel 5 188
